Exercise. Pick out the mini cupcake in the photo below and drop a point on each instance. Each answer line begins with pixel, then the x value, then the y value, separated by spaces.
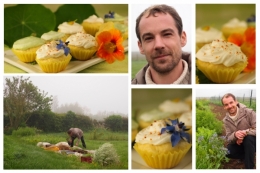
pixel 134 129
pixel 163 144
pixel 205 35
pixel 146 118
pixel 221 61
pixel 175 107
pixel 52 36
pixel 92 24
pixel 82 46
pixel 53 57
pixel 234 26
pixel 114 17
pixel 70 28
pixel 25 48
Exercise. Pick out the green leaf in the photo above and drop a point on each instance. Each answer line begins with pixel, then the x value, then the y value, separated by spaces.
pixel 26 19
pixel 72 12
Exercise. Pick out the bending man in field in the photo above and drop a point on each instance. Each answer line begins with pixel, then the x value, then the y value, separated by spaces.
pixel 240 125
pixel 76 133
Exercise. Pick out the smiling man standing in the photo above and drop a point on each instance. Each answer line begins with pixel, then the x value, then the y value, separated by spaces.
pixel 240 126
pixel 161 37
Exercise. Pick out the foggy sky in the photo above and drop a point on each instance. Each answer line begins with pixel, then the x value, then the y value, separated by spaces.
pixel 97 93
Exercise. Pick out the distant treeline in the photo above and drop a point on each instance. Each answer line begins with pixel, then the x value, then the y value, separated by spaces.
pixel 52 122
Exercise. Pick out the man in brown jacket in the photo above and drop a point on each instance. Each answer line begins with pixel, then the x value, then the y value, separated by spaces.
pixel 240 125
pixel 160 34
pixel 76 133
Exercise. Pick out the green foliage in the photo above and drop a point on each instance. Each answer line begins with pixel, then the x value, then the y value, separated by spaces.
pixel 106 155
pixel 22 153
pixel 25 131
pixel 72 12
pixel 114 122
pixel 21 98
pixel 137 65
pixel 205 117
pixel 26 19
pixel 210 150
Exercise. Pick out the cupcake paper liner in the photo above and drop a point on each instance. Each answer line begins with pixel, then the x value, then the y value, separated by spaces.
pixel 91 28
pixel 165 160
pixel 54 65
pixel 82 54
pixel 219 73
pixel 28 55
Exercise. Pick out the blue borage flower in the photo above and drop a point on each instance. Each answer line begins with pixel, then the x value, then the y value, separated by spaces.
pixel 63 46
pixel 110 14
pixel 177 129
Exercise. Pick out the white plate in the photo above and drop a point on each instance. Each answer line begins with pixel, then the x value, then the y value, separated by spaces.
pixel 245 78
pixel 139 163
pixel 73 67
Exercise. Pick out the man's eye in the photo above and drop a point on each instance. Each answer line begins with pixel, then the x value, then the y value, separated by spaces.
pixel 147 38
pixel 167 34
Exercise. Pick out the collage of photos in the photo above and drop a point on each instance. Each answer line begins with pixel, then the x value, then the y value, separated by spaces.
pixel 129 86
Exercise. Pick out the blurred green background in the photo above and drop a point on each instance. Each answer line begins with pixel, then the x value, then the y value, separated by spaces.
pixel 216 15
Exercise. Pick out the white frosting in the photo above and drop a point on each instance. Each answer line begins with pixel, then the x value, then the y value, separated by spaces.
pixel 49 50
pixel 221 52
pixel 152 134
pixel 154 114
pixel 174 107
pixel 82 40
pixel 186 118
pixel 207 35
pixel 67 28
pixel 52 35
pixel 94 19
pixel 233 23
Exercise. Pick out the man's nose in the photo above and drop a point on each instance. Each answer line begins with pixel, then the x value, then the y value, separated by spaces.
pixel 158 43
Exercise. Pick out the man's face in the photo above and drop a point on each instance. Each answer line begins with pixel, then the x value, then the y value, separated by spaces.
pixel 230 105
pixel 160 42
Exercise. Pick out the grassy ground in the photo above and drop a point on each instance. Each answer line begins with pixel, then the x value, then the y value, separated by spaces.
pixel 137 65
pixel 22 152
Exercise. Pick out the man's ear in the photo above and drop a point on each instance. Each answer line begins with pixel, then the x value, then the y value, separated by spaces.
pixel 183 38
pixel 140 47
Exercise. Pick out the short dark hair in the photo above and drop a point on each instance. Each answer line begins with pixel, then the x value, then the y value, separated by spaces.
pixel 228 95
pixel 159 9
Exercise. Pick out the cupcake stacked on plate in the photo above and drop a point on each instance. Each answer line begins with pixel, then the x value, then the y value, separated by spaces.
pixel 54 50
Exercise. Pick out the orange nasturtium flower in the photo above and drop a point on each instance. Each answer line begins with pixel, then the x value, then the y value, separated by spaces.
pixel 110 45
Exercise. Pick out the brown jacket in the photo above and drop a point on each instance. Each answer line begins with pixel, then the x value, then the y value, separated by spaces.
pixel 140 76
pixel 75 132
pixel 246 120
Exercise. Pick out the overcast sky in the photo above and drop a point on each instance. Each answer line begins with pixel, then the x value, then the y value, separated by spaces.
pixel 97 93
pixel 220 92
pixel 184 10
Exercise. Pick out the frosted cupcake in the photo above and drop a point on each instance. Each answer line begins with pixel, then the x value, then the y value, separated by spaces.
pixel 82 46
pixel 52 36
pixel 175 107
pixel 25 48
pixel 234 26
pixel 163 144
pixel 146 118
pixel 205 35
pixel 53 57
pixel 92 24
pixel 69 28
pixel 221 61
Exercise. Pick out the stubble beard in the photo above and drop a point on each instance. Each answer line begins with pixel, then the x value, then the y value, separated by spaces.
pixel 165 66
